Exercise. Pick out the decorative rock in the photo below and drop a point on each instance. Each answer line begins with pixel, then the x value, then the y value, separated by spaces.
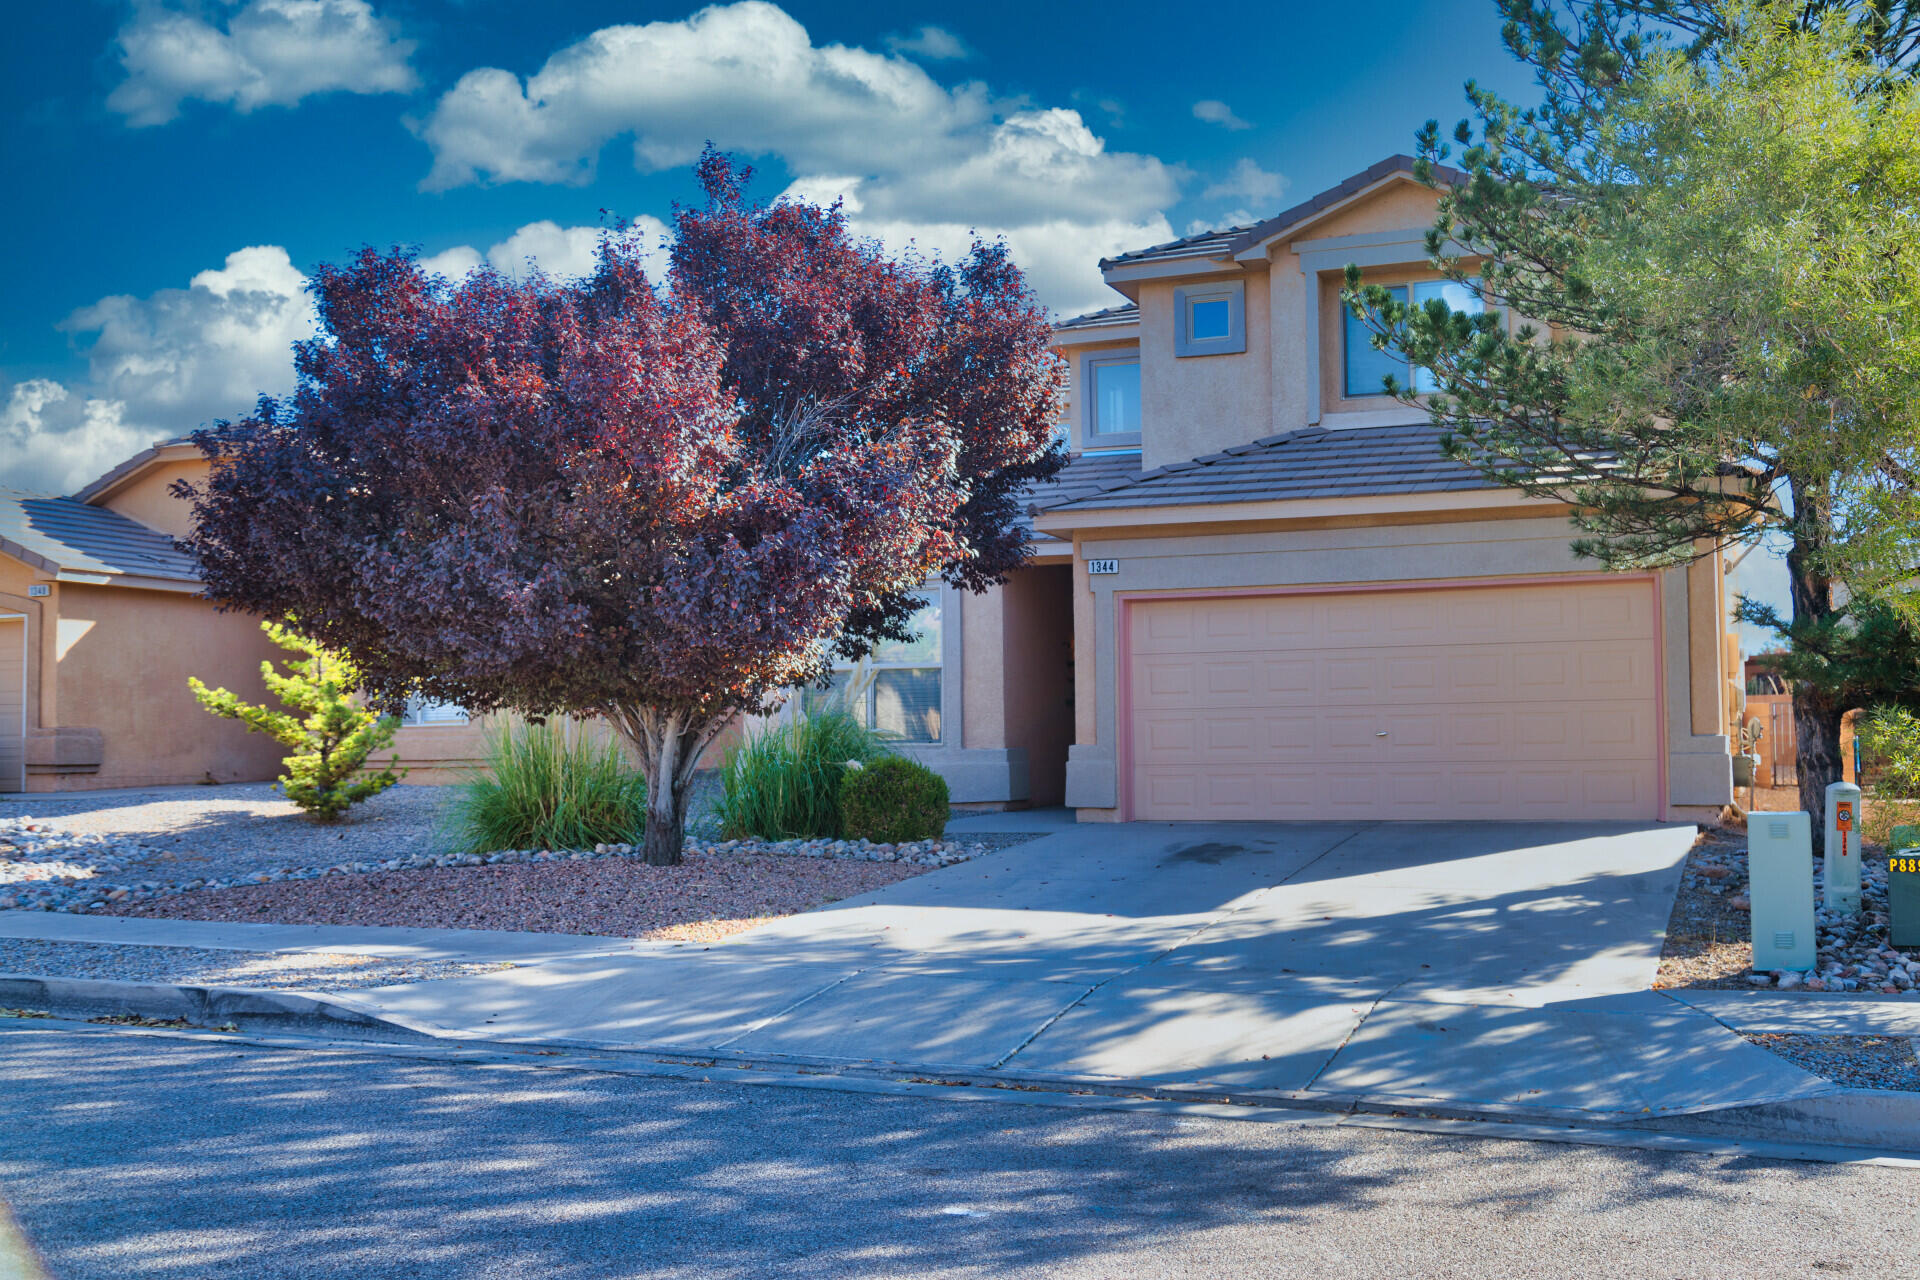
pixel 45 869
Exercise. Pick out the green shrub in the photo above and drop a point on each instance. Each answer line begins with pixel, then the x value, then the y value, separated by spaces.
pixel 784 783
pixel 546 788
pixel 330 732
pixel 893 800
pixel 1890 744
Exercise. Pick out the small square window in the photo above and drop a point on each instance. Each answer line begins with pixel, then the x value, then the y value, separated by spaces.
pixel 1212 318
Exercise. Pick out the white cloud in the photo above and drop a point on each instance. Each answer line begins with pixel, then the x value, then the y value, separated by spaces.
pixel 1214 111
pixel 923 159
pixel 556 250
pixel 1249 182
pixel 933 44
pixel 272 53
pixel 159 366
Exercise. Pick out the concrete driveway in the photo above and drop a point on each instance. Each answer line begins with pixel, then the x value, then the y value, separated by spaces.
pixel 1492 966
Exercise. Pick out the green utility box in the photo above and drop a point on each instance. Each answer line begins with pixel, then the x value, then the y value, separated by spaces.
pixel 1903 887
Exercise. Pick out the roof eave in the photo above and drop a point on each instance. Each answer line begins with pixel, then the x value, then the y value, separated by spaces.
pixel 1129 332
pixel 1119 275
pixel 130 470
pixel 1065 520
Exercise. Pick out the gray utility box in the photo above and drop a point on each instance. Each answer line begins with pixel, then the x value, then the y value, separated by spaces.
pixel 1780 884
pixel 1903 887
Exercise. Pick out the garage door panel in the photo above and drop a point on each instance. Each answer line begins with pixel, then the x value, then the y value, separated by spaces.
pixel 1523 702
pixel 1514 673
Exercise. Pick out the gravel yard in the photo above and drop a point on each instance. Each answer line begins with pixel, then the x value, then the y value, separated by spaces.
pixel 204 966
pixel 1859 1062
pixel 1708 935
pixel 711 896
pixel 243 853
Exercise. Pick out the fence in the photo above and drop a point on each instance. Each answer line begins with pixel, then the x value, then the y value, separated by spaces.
pixel 1777 748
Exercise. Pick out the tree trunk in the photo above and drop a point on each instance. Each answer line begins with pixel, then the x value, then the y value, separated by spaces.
pixel 670 746
pixel 1816 718
pixel 666 822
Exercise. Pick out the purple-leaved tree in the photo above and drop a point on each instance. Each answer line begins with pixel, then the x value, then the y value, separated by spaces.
pixel 666 507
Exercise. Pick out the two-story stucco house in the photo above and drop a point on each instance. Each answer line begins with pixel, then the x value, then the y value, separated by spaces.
pixel 1258 591
pixel 1262 591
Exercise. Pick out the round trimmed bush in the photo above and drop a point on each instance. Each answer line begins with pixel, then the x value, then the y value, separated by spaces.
pixel 893 800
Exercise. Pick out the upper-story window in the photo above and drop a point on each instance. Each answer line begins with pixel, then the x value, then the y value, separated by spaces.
pixel 1112 384
pixel 1367 368
pixel 1210 319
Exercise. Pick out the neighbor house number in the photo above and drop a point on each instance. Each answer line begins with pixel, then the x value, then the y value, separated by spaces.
pixel 1103 566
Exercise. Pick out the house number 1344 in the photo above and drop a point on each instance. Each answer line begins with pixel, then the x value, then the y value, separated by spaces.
pixel 1103 566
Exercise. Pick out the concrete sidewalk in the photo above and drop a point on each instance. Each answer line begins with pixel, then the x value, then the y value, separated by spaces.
pixel 1498 969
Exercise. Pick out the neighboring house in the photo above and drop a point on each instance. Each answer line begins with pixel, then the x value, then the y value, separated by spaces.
pixel 1278 598
pixel 101 623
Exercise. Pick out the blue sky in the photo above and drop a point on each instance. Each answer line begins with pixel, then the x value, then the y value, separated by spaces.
pixel 179 165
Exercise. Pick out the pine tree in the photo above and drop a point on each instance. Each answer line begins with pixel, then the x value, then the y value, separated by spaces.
pixel 1709 233
pixel 331 733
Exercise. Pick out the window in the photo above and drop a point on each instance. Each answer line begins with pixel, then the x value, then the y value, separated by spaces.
pixel 1210 320
pixel 1113 400
pixel 896 690
pixel 1366 368
pixel 425 711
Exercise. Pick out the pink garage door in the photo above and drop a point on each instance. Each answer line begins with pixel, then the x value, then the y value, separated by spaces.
pixel 1486 702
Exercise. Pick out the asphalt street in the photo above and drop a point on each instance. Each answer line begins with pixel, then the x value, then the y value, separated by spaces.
pixel 128 1156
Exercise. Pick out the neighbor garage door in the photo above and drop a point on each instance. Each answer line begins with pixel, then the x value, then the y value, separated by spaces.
pixel 1487 702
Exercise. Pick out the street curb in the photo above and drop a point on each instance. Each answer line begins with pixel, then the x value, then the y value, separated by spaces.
pixel 1878 1120
pixel 210 1007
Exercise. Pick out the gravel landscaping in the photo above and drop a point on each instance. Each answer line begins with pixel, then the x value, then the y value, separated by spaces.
pixel 245 854
pixel 712 896
pixel 1859 1062
pixel 1708 936
pixel 202 966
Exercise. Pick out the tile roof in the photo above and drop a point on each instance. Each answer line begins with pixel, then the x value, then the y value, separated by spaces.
pixel 1228 241
pixel 1086 473
pixel 1204 244
pixel 62 533
pixel 102 483
pixel 1310 463
pixel 1128 313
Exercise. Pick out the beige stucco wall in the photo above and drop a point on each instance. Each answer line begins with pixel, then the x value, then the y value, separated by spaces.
pixel 122 658
pixel 983 654
pixel 1195 405
pixel 1402 202
pixel 1699 777
pixel 146 498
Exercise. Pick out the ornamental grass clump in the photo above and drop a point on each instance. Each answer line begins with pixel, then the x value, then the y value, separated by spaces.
pixel 546 787
pixel 893 801
pixel 784 783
